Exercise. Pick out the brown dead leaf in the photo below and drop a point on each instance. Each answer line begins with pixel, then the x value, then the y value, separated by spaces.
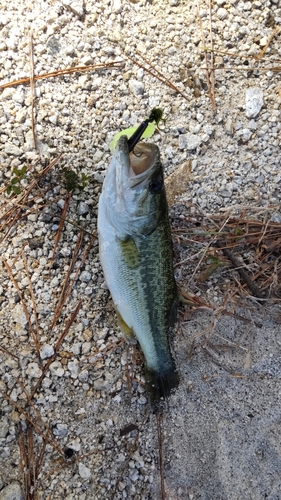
pixel 272 245
pixel 66 354
pixel 177 183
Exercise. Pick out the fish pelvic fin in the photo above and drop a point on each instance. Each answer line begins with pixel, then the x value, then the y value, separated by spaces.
pixel 160 384
pixel 127 332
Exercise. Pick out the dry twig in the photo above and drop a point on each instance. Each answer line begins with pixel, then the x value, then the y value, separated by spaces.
pixel 67 289
pixel 66 71
pixel 36 333
pixel 33 334
pixel 159 422
pixel 52 442
pixel 57 347
pixel 154 72
pixel 32 88
pixel 210 90
pixel 262 52
pixel 61 224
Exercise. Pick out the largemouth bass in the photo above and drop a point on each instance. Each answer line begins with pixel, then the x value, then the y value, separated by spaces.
pixel 136 257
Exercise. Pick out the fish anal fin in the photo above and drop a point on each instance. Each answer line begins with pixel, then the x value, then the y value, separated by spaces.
pixel 127 332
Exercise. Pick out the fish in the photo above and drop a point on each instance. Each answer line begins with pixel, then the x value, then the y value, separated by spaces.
pixel 135 249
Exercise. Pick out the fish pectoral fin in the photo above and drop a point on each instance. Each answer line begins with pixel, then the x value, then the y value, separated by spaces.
pixel 127 332
pixel 130 252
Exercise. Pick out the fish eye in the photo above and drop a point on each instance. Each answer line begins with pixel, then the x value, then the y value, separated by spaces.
pixel 156 185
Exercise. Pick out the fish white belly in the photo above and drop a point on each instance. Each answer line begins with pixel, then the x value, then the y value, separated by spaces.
pixel 125 285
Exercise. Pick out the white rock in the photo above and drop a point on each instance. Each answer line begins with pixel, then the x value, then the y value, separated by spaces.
pixel 7 93
pixel 53 119
pixel 19 315
pixel 18 97
pixel 4 428
pixel 225 193
pixel 46 382
pixel 97 156
pixel 194 129
pixel 33 370
pixel 46 351
pixel 117 6
pixel 12 149
pixel 136 87
pixel 56 369
pixel 12 492
pixel 85 276
pixel 54 282
pixel 263 41
pixel 60 204
pixel 83 376
pixel 65 251
pixel 19 265
pixel 276 217
pixel 73 368
pixel 100 384
pixel 222 13
pixel 246 134
pixel 81 411
pixel 60 430
pixel 254 101
pixel 84 472
pixel 247 6
pixel 142 400
pixel 86 60
pixel 75 6
pixel 126 115
pixel 189 141
pixel 86 347
pixel 76 348
pixel 142 47
pixel 83 208
pixel 140 73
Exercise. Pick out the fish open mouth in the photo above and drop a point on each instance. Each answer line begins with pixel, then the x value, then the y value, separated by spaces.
pixel 144 160
pixel 141 159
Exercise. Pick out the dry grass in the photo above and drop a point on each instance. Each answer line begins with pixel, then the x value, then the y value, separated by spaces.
pixel 250 244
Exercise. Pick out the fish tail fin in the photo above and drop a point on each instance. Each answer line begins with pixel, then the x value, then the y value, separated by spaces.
pixel 160 384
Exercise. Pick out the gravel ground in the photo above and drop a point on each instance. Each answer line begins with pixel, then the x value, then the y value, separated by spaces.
pixel 93 436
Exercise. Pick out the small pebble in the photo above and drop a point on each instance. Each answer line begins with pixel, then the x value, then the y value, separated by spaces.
pixel 254 101
pixel 60 430
pixel 84 471
pixel 33 370
pixel 12 491
pixel 136 87
pixel 189 141
pixel 83 208
pixel 46 351
pixel 85 276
